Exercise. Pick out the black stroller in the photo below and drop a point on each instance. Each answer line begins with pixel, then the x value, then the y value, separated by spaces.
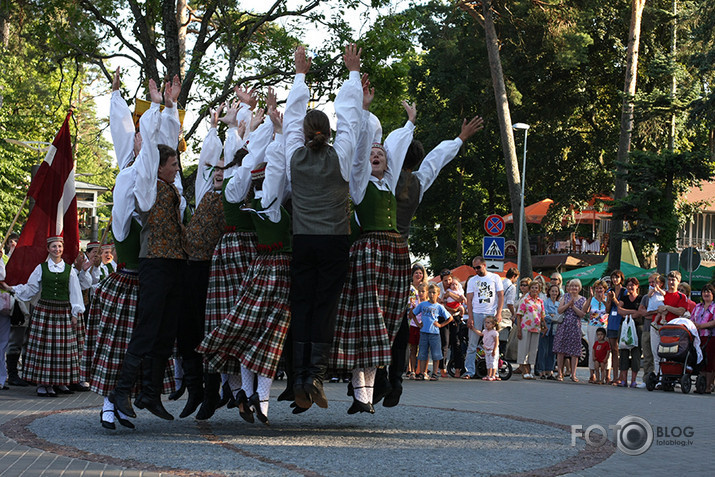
pixel 678 363
pixel 459 351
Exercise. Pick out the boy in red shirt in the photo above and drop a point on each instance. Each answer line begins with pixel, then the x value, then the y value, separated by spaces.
pixel 601 353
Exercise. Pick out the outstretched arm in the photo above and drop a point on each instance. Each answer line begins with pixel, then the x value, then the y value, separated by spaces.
pixel 147 164
pixel 396 145
pixel 348 108
pixel 443 154
pixel 210 155
pixel 296 106
pixel 121 125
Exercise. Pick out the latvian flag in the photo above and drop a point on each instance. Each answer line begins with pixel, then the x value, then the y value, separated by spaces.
pixel 54 212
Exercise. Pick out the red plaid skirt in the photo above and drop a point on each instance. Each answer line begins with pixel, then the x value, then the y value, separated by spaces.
pixel 373 302
pixel 52 354
pixel 231 259
pixel 114 308
pixel 253 333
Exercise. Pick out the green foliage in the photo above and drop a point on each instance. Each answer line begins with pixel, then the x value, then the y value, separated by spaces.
pixel 655 182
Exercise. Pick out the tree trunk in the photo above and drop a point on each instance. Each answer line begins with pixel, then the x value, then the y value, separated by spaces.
pixel 4 23
pixel 674 80
pixel 182 21
pixel 171 38
pixel 507 135
pixel 624 142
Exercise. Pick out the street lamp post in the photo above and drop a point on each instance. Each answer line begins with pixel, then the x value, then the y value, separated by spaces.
pixel 522 219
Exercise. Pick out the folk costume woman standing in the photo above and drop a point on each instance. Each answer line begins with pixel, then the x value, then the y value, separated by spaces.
pixel 52 354
pixel 318 174
pixel 375 295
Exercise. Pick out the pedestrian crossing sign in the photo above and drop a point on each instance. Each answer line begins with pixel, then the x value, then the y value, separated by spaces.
pixel 493 248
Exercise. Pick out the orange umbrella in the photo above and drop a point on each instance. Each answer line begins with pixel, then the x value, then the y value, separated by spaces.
pixel 589 214
pixel 534 213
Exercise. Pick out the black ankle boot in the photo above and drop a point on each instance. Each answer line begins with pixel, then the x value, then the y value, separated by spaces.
pixel 212 384
pixel 382 385
pixel 392 398
pixel 301 360
pixel 319 355
pixel 121 396
pixel 193 377
pixel 153 371
pixel 13 377
pixel 358 406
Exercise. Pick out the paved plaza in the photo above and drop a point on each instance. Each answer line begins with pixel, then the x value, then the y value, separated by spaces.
pixel 449 427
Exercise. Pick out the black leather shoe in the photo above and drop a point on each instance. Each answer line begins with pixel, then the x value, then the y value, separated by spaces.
pixel 255 401
pixel 297 409
pixel 382 385
pixel 243 408
pixel 80 388
pixel 155 407
pixel 358 406
pixel 212 383
pixel 122 421
pixel 176 395
pixel 392 398
pixel 287 394
pixel 106 424
pixel 63 390
pixel 226 397
pixel 17 381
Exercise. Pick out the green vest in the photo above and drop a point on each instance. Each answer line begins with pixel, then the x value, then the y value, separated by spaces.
pixel 377 211
pixel 235 216
pixel 128 249
pixel 55 286
pixel 272 237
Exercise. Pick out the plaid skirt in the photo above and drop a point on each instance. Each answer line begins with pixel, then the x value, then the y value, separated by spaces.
pixel 231 259
pixel 52 354
pixel 253 334
pixel 372 303
pixel 114 308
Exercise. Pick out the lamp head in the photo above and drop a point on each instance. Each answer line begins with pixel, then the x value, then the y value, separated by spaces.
pixel 520 126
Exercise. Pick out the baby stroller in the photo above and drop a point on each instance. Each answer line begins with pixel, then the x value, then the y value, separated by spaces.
pixel 459 351
pixel 680 359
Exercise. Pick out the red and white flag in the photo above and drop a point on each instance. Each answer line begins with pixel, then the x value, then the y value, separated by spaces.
pixel 54 212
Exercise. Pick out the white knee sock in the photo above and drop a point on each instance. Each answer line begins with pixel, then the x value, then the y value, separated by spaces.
pixel 234 382
pixel 264 392
pixel 370 382
pixel 358 380
pixel 108 411
pixel 247 381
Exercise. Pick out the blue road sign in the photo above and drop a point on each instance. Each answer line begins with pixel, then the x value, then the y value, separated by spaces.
pixel 493 248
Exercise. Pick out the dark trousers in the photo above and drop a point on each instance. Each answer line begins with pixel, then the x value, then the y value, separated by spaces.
pixel 190 326
pixel 318 270
pixel 398 364
pixel 160 305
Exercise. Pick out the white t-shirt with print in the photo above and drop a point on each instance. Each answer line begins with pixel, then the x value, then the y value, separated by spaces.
pixel 485 293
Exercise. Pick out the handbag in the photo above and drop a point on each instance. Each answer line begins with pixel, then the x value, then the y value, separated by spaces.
pixel 629 337
pixel 558 318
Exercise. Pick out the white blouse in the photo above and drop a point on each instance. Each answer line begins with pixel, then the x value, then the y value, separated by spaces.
pixel 34 286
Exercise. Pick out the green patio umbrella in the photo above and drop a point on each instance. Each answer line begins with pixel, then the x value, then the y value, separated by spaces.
pixel 589 275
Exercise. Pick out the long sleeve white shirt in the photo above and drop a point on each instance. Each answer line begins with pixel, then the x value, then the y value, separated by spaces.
pixel 33 286
pixel 121 127
pixel 435 161
pixel 348 108
pixel 274 187
pixel 210 155
pixel 240 183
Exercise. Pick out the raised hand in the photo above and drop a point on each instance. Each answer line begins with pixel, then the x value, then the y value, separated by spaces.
pixel 257 119
pixel 214 114
pixel 116 82
pixel 411 110
pixel 471 127
pixel 246 96
pixel 175 89
pixel 229 118
pixel 351 57
pixel 368 94
pixel 168 95
pixel 276 119
pixel 154 93
pixel 241 128
pixel 302 62
pixel 271 100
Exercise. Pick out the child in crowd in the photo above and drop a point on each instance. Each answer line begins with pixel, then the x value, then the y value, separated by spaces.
pixel 490 343
pixel 601 353
pixel 415 326
pixel 454 299
pixel 429 312
pixel 656 295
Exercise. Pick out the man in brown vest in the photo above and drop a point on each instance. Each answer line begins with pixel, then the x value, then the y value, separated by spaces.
pixel 161 265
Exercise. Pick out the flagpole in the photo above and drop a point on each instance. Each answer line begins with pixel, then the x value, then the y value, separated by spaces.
pixel 14 221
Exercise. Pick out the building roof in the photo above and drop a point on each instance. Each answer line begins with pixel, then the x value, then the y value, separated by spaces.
pixel 86 186
pixel 705 192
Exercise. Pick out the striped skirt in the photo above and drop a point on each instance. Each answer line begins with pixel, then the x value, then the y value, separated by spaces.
pixel 231 259
pixel 253 333
pixel 52 354
pixel 373 302
pixel 114 308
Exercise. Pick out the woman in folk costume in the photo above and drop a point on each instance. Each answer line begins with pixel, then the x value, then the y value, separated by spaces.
pixel 375 294
pixel 254 332
pixel 237 247
pixel 52 354
pixel 318 174
pixel 115 301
